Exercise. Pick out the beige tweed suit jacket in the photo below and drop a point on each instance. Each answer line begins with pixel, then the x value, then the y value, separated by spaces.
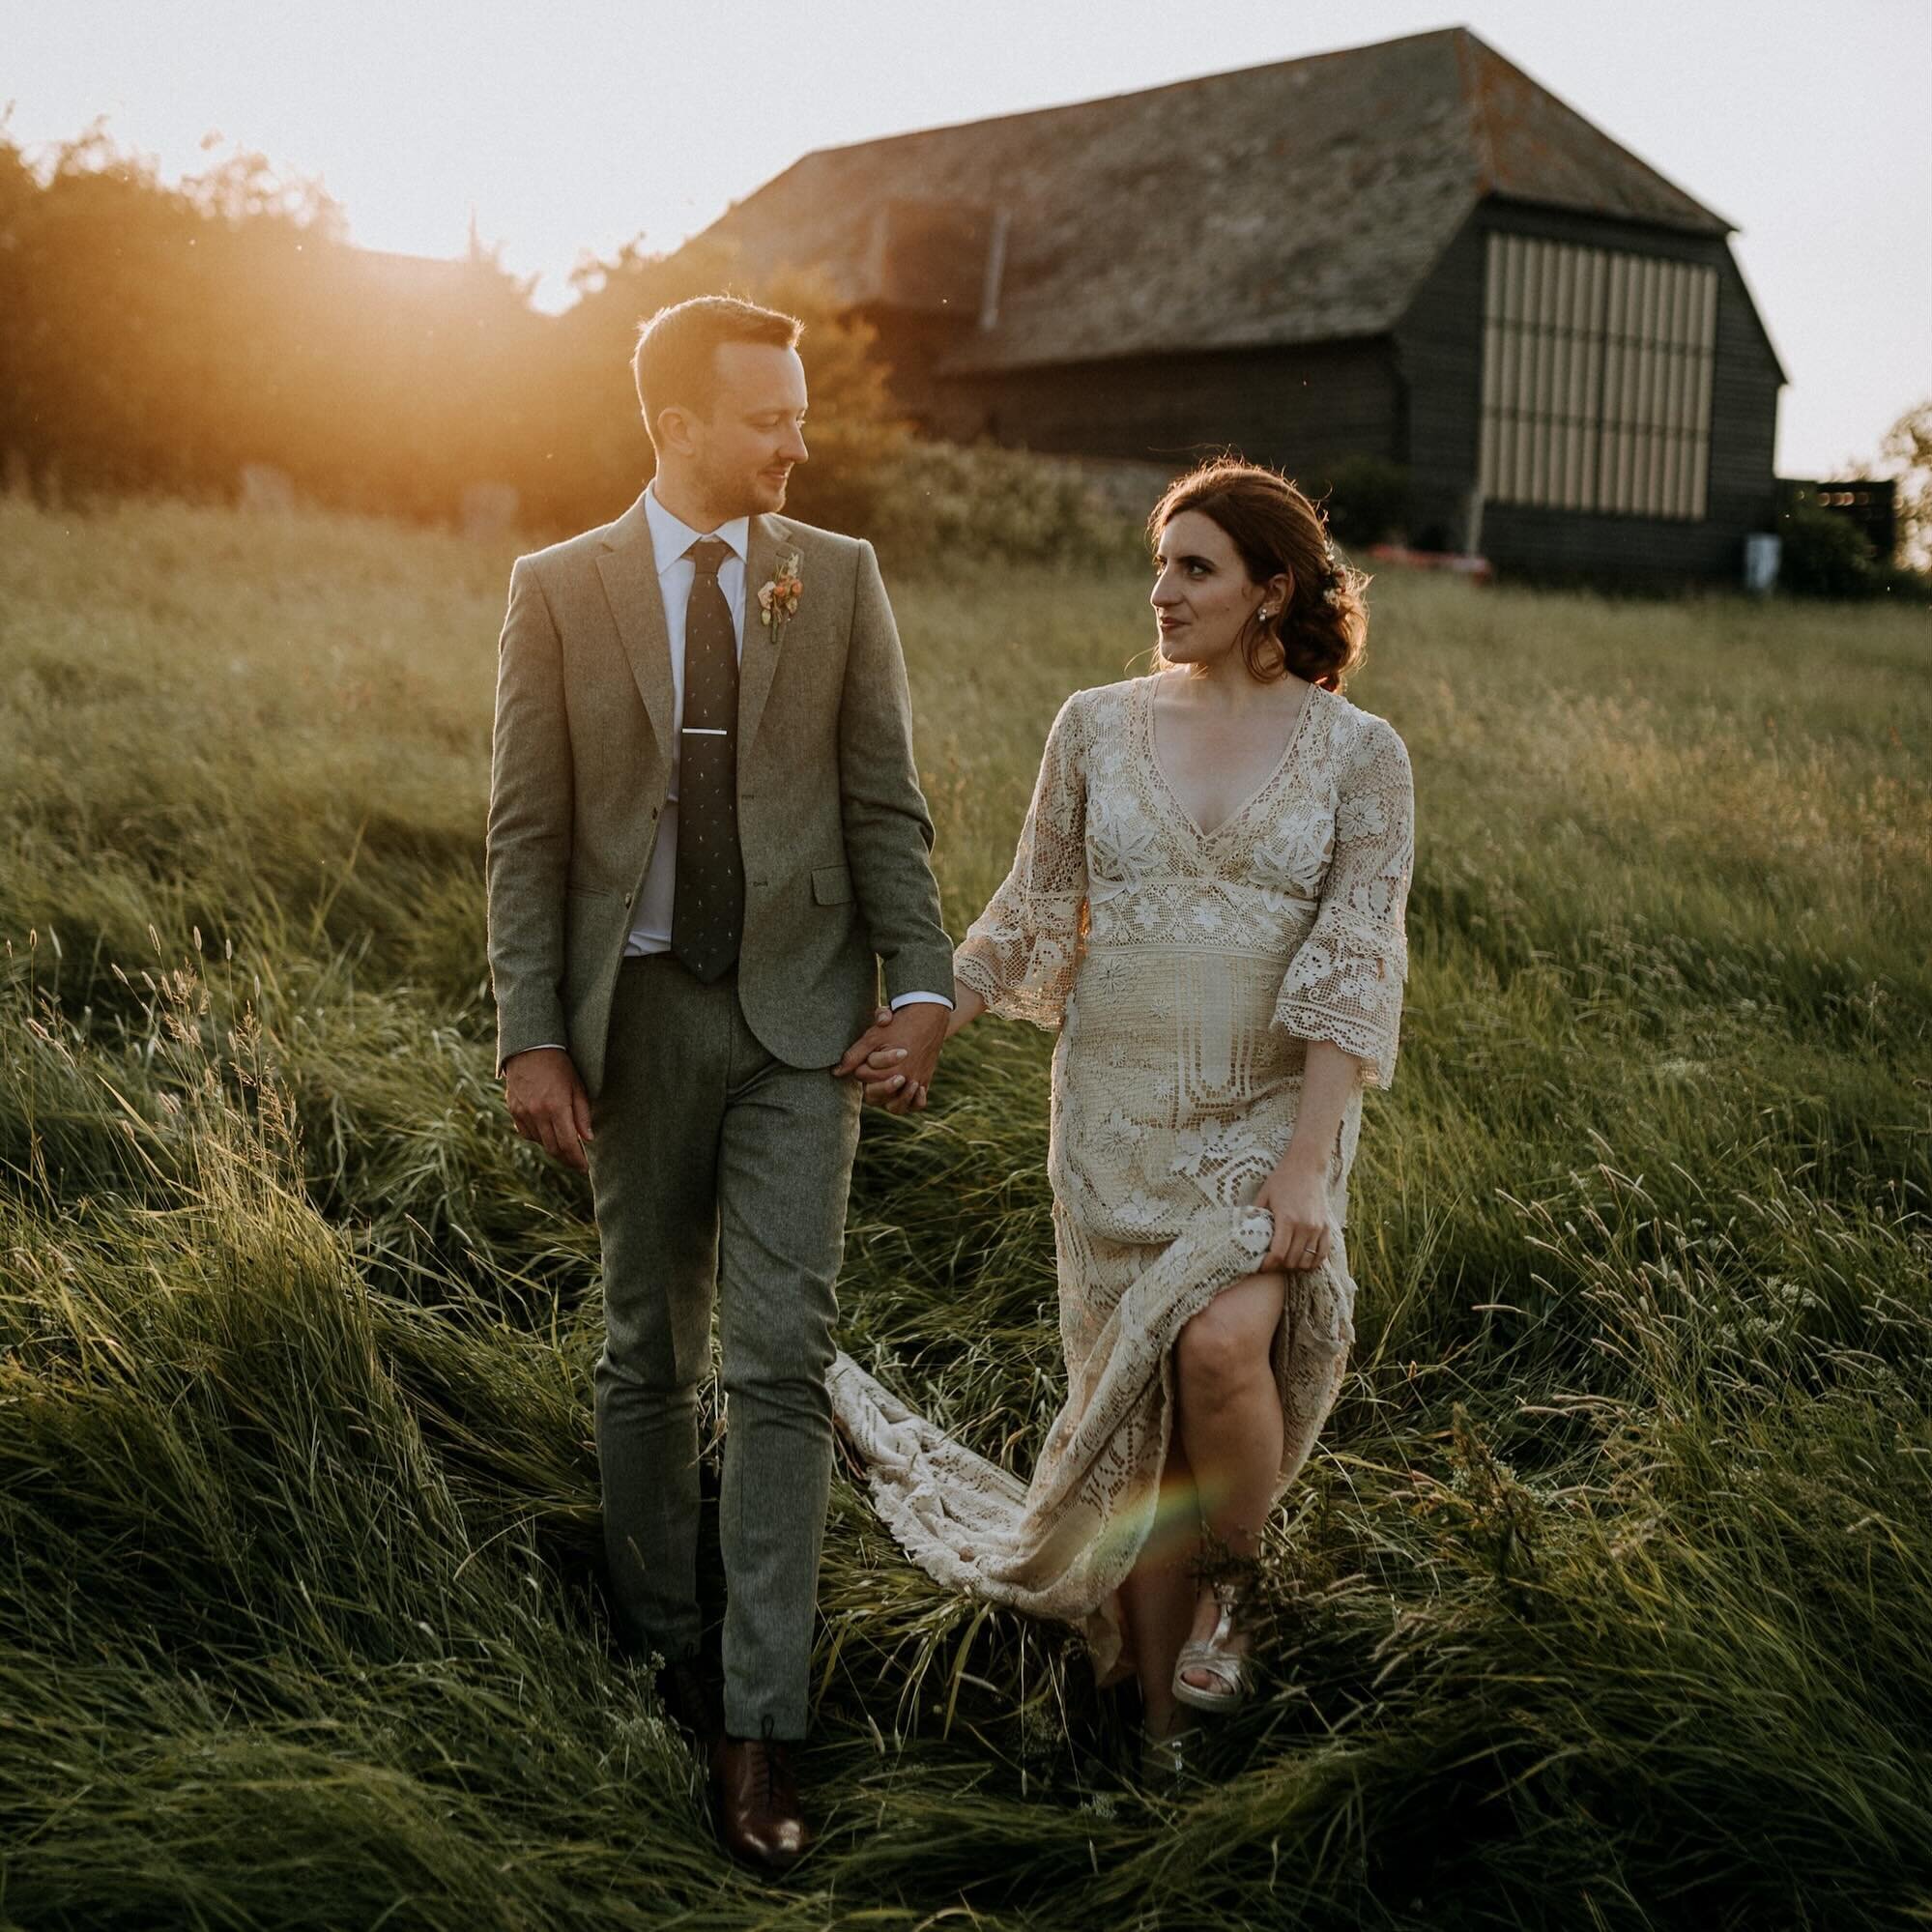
pixel 832 823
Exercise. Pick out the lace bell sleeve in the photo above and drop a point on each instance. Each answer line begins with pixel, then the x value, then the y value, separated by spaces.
pixel 1345 983
pixel 1019 955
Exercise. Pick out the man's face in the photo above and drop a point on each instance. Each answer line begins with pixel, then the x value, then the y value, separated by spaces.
pixel 742 450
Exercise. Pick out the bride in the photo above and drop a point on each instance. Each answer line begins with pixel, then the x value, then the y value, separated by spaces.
pixel 1207 904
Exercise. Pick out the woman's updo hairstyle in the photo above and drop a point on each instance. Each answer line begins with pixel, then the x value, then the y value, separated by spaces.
pixel 1323 627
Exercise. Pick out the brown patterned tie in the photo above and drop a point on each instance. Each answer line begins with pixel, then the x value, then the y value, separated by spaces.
pixel 707 911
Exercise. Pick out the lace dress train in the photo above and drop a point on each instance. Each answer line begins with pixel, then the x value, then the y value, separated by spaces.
pixel 1186 972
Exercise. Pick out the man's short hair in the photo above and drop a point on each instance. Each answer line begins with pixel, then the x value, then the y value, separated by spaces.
pixel 675 362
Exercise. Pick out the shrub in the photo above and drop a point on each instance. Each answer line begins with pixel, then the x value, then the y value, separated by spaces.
pixel 1906 585
pixel 938 501
pixel 1825 556
pixel 1365 498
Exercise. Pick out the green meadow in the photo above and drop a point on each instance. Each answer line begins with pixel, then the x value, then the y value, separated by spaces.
pixel 1606 1602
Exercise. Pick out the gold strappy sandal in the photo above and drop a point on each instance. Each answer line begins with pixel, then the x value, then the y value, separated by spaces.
pixel 1226 1668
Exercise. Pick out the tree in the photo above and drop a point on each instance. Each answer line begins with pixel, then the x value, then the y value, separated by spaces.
pixel 162 337
pixel 1908 444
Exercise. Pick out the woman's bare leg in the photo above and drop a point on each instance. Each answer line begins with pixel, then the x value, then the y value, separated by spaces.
pixel 1229 1420
pixel 1159 1593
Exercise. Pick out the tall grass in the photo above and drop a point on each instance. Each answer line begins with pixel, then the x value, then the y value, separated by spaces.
pixel 1607 1601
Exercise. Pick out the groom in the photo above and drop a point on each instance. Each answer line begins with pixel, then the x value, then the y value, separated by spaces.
pixel 706 835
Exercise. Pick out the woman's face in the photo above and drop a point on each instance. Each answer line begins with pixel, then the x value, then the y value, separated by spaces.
pixel 1203 596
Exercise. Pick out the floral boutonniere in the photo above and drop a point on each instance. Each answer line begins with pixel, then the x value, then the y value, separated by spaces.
pixel 778 600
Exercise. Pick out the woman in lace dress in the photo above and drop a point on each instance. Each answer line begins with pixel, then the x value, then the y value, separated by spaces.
pixel 1207 904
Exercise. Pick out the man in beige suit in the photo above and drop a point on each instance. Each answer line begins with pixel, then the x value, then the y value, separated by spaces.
pixel 706 839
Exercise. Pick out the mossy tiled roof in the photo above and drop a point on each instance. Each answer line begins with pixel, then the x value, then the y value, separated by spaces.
pixel 1299 202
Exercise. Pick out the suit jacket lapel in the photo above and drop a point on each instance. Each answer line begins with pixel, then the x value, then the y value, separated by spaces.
pixel 757 661
pixel 628 567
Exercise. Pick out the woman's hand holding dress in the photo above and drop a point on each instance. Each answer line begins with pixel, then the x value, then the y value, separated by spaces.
pixel 1297 1192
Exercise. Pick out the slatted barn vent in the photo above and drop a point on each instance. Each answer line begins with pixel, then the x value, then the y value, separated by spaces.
pixel 1595 379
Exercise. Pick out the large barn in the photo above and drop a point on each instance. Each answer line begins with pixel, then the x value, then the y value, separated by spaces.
pixel 1409 251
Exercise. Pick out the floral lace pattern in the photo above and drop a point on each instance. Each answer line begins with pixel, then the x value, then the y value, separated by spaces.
pixel 1186 972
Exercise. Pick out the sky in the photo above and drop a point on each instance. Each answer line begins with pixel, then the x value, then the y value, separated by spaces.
pixel 576 126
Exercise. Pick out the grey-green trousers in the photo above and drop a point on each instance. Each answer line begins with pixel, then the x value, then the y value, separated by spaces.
pixel 719 1173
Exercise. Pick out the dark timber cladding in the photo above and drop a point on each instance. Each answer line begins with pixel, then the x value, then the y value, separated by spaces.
pixel 1409 251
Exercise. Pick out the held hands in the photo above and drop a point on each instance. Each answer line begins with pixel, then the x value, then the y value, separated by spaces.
pixel 548 1102
pixel 897 1056
pixel 1297 1197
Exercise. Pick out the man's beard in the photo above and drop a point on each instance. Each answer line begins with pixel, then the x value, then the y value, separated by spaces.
pixel 738 495
pixel 770 494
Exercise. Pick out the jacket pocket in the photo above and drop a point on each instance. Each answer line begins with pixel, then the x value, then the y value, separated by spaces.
pixel 832 885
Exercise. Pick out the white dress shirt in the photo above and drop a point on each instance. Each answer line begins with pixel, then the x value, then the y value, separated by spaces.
pixel 670 541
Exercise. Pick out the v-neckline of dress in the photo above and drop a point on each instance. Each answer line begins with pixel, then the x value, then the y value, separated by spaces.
pixel 1254 797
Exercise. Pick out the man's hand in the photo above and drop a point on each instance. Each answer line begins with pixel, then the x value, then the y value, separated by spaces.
pixel 548 1102
pixel 897 1056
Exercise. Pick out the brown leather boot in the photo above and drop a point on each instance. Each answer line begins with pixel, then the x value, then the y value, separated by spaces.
pixel 757 1804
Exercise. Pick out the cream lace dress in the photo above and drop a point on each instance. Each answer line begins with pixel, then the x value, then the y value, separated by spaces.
pixel 1186 971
